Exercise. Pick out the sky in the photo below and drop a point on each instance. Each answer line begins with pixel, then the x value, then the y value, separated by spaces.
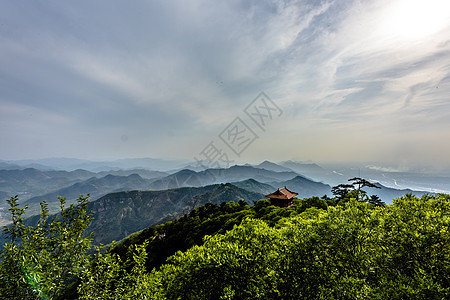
pixel 226 81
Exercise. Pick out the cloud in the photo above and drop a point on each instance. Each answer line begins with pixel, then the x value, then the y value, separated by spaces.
pixel 339 70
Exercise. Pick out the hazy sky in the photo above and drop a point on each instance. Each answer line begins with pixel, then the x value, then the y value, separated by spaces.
pixel 348 80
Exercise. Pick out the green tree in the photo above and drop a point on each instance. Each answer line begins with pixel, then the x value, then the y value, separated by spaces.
pixel 341 191
pixel 349 251
pixel 345 192
pixel 108 277
pixel 236 265
pixel 39 261
pixel 375 200
pixel 360 183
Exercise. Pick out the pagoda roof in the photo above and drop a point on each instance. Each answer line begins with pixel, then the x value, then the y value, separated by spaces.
pixel 283 193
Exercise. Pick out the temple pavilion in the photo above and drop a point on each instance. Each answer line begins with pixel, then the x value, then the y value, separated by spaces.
pixel 282 197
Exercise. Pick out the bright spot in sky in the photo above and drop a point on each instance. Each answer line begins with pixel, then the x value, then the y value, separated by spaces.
pixel 416 19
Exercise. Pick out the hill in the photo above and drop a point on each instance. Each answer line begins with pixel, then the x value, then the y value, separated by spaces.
pixel 117 215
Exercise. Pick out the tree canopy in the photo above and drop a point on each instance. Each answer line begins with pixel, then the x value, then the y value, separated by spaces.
pixel 355 250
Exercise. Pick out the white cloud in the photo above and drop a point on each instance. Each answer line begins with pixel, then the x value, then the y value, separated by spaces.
pixel 338 69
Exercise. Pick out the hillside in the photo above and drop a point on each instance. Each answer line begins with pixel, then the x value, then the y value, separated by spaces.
pixel 210 219
pixel 307 250
pixel 117 215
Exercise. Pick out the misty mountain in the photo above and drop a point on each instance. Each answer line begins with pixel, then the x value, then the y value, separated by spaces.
pixel 133 163
pixel 32 182
pixel 302 167
pixel 255 186
pixel 316 172
pixel 97 187
pixel 33 186
pixel 211 176
pixel 267 165
pixel 144 173
pixel 183 178
pixel 60 163
pixel 4 165
pixel 98 166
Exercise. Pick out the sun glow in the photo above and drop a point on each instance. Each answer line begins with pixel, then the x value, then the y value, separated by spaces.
pixel 416 19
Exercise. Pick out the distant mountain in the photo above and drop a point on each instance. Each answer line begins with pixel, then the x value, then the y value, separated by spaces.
pixel 33 185
pixel 8 166
pixel 267 165
pixel 11 166
pixel 315 172
pixel 32 182
pixel 98 166
pixel 238 173
pixel 59 163
pixel 96 187
pixel 144 173
pixel 304 187
pixel 183 178
pixel 255 186
pixel 186 177
pixel 117 215
pixel 302 167
pixel 145 163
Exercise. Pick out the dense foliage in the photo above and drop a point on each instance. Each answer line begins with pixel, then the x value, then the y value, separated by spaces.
pixel 40 261
pixel 166 239
pixel 354 250
pixel 401 251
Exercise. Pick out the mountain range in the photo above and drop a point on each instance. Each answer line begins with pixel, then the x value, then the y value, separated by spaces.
pixel 117 215
pixel 71 164
pixel 126 201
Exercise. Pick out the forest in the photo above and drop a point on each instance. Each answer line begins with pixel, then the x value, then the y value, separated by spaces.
pixel 346 247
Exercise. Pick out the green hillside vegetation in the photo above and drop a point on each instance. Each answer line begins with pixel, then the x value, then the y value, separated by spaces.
pixel 312 250
pixel 117 215
pixel 210 219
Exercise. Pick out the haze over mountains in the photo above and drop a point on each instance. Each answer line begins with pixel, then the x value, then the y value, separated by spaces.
pixel 127 200
pixel 70 164
pixel 47 179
